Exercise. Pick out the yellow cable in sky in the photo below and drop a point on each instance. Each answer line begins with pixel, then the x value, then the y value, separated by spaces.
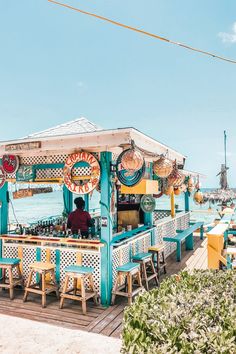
pixel 143 32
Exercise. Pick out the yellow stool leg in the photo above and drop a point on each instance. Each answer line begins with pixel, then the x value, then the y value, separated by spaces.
pixel 83 295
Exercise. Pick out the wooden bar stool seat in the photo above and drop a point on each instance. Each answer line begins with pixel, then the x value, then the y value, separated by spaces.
pixel 42 287
pixel 158 257
pixel 79 274
pixel 145 261
pixel 8 264
pixel 129 271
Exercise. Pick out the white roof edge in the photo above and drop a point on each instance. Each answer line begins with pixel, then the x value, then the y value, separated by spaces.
pixel 152 140
pixel 57 137
pixel 141 140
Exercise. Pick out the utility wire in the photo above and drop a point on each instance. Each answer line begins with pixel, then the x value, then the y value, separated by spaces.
pixel 143 32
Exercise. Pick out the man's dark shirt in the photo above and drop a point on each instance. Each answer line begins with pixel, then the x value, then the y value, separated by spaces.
pixel 79 220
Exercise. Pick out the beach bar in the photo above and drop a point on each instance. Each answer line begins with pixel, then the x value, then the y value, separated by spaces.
pixel 120 164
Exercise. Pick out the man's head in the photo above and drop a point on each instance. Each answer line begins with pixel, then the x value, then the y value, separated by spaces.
pixel 80 203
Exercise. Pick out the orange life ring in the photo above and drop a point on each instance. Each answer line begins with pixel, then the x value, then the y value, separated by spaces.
pixel 88 186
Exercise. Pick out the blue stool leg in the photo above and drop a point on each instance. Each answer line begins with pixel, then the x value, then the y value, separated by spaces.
pixel 201 232
pixel 178 252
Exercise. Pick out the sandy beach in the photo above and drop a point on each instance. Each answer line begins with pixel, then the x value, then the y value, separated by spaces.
pixel 21 336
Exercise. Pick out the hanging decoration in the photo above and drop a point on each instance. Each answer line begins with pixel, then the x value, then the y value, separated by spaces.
pixel 169 190
pixel 177 191
pixel 132 160
pixel 2 177
pixel 85 186
pixel 176 178
pixel 10 163
pixel 198 184
pixel 163 167
pixel 25 174
pixel 183 188
pixel 23 193
pixel 198 197
pixel 129 177
pixel 148 203
pixel 190 184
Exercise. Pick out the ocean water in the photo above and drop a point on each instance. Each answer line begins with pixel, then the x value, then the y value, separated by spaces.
pixel 29 210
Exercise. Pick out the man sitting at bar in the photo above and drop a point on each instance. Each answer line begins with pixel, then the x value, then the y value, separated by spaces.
pixel 79 220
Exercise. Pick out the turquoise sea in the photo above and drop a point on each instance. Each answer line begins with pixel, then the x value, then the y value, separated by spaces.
pixel 29 210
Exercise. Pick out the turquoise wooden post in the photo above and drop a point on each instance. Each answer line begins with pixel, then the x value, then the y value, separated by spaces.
pixel 68 200
pixel 3 214
pixel 86 199
pixel 106 228
pixel 186 200
pixel 3 208
pixel 148 217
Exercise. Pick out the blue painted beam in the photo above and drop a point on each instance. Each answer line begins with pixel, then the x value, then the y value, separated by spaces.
pixel 58 165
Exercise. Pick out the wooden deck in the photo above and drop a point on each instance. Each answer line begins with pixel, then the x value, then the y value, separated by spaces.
pixel 106 321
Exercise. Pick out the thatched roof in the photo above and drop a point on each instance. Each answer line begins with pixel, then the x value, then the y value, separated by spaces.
pixel 220 196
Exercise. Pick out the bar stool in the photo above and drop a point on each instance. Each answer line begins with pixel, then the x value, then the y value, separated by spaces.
pixel 42 287
pixel 129 271
pixel 82 274
pixel 158 257
pixel 8 264
pixel 145 261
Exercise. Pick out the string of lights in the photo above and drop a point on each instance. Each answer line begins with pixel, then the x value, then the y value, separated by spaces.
pixel 144 32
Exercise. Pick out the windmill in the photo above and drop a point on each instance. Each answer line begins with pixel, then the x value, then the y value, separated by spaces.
pixel 224 194
pixel 223 173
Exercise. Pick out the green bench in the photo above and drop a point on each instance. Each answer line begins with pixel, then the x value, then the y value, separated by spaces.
pixel 187 236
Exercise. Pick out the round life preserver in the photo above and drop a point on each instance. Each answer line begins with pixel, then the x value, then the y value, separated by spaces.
pixel 2 177
pixel 89 185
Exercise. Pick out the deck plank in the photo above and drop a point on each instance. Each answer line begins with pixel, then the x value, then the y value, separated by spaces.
pixel 106 322
pixel 99 319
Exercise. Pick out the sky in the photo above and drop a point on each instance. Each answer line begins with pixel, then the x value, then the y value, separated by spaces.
pixel 57 65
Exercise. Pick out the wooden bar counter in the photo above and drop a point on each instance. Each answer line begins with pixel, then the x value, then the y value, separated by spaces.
pixel 60 251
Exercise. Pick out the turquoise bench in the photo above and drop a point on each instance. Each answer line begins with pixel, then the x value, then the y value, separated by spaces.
pixel 187 236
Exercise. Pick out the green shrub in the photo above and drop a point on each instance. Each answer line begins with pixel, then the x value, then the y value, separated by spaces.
pixel 192 313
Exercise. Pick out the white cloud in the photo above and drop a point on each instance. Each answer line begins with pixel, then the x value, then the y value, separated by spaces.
pixel 229 37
